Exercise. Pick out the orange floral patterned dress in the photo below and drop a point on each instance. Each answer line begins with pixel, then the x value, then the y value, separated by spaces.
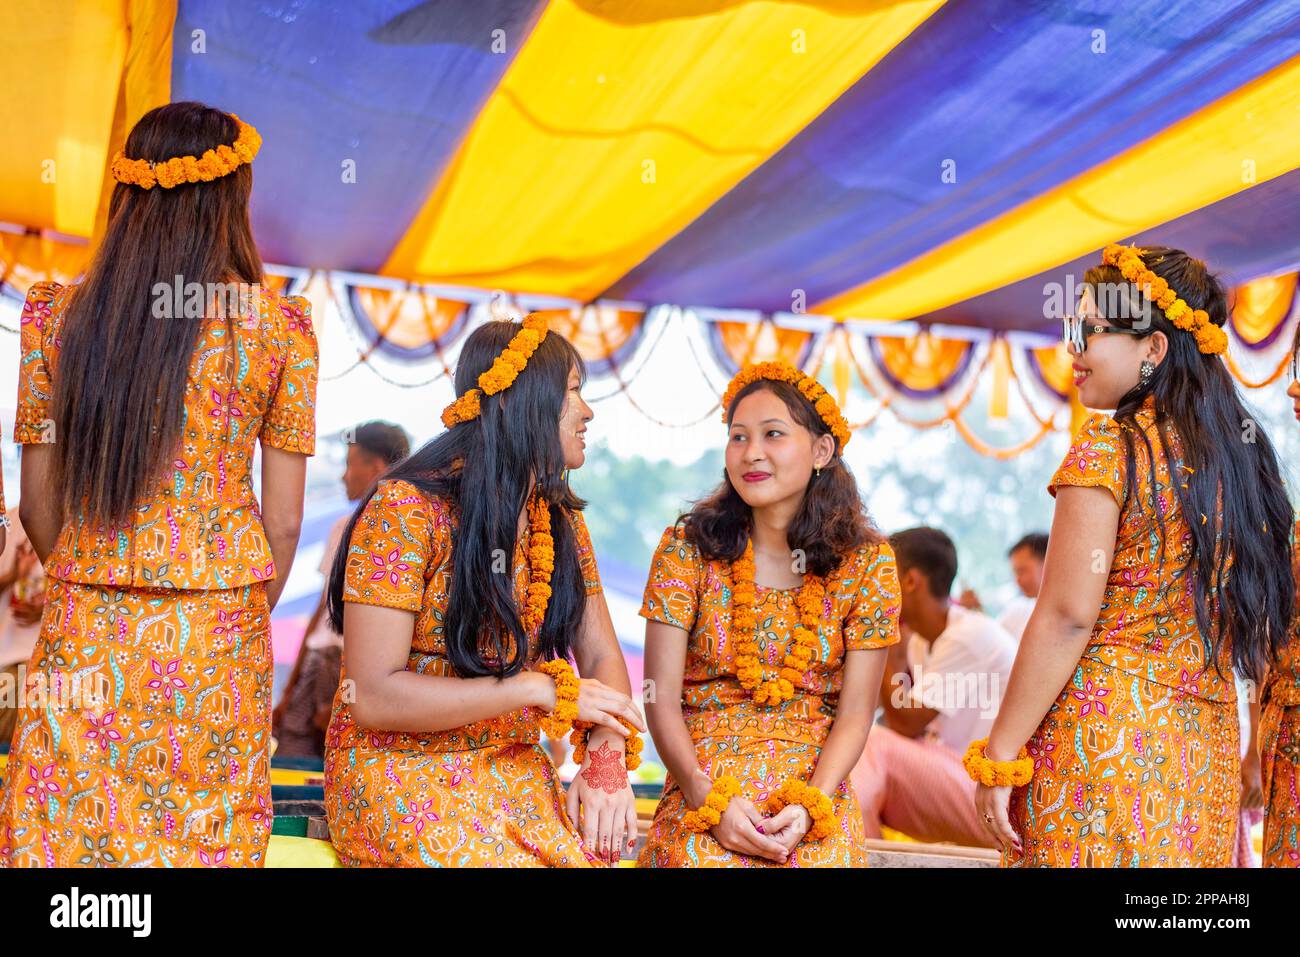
pixel 1137 763
pixel 482 795
pixel 143 736
pixel 1279 745
pixel 762 746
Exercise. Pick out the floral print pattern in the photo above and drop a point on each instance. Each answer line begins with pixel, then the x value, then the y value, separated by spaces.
pixel 1136 764
pixel 762 746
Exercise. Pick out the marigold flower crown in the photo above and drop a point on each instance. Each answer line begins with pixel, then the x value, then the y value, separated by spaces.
pixel 808 387
pixel 505 369
pixel 1210 339
pixel 189 169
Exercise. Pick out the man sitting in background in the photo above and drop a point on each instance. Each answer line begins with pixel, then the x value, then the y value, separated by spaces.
pixel 301 718
pixel 1026 557
pixel 941 690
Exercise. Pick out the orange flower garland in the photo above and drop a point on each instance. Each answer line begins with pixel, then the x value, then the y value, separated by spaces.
pixel 744 620
pixel 709 813
pixel 541 563
pixel 1210 339
pixel 557 723
pixel 505 369
pixel 997 774
pixel 189 169
pixel 633 745
pixel 808 387
pixel 813 800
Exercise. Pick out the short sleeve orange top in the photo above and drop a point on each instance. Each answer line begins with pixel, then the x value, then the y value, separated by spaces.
pixel 690 593
pixel 201 527
pixel 400 556
pixel 1147 622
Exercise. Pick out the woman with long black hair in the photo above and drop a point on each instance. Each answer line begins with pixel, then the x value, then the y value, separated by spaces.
pixel 1165 571
pixel 467 582
pixel 142 392
pixel 768 609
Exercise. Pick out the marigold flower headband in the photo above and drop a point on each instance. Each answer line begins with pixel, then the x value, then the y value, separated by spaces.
pixel 189 169
pixel 505 369
pixel 808 387
pixel 1210 339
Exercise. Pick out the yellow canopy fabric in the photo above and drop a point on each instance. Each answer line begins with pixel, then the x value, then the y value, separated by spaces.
pixel 633 125
pixel 77 75
pixel 1245 137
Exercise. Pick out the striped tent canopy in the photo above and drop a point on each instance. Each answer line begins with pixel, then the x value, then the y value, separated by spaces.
pixel 888 191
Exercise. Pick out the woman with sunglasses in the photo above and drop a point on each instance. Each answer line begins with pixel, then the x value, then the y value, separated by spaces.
pixel 1279 722
pixel 1119 730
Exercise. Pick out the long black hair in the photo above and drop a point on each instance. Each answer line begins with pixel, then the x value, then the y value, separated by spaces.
pixel 123 370
pixel 483 469
pixel 1232 475
pixel 831 522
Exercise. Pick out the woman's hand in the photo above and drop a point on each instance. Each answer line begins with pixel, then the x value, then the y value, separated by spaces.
pixel 600 801
pixel 1252 781
pixel 741 831
pixel 993 806
pixel 598 704
pixel 788 826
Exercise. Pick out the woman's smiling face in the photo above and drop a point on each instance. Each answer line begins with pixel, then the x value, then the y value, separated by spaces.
pixel 770 457
pixel 573 423
pixel 1110 367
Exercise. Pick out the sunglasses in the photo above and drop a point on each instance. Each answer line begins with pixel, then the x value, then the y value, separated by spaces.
pixel 1295 365
pixel 1075 331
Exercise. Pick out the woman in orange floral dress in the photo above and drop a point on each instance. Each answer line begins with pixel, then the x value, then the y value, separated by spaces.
pixel 1122 694
pixel 768 610
pixel 432 755
pixel 1279 723
pixel 143 736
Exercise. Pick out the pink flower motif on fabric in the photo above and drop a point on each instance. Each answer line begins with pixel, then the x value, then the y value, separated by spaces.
pixel 1091 696
pixel 389 567
pixel 167 678
pixel 42 786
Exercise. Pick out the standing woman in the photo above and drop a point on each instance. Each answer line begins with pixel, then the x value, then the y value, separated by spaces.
pixel 1279 723
pixel 139 425
pixel 769 607
pixel 1119 726
pixel 466 582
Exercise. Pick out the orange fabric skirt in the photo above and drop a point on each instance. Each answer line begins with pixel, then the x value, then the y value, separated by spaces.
pixel 142 737
pixel 1279 748
pixel 1129 772
pixel 761 765
pixel 496 806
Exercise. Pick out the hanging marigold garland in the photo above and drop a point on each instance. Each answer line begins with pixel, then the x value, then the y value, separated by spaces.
pixel 541 564
pixel 804 642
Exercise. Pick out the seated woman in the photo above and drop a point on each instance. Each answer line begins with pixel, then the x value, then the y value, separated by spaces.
pixel 466 582
pixel 769 607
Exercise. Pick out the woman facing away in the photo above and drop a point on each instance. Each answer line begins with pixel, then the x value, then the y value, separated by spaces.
pixel 769 607
pixel 1166 569
pixel 144 739
pixel 1279 723
pixel 466 582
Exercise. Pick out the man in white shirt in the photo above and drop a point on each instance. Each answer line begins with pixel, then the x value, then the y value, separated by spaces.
pixel 942 687
pixel 1026 557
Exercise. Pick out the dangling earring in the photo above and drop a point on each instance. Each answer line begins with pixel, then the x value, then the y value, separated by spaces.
pixel 817 473
pixel 565 477
pixel 1145 371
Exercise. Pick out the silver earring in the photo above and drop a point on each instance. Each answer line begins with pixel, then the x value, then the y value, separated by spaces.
pixel 1145 371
